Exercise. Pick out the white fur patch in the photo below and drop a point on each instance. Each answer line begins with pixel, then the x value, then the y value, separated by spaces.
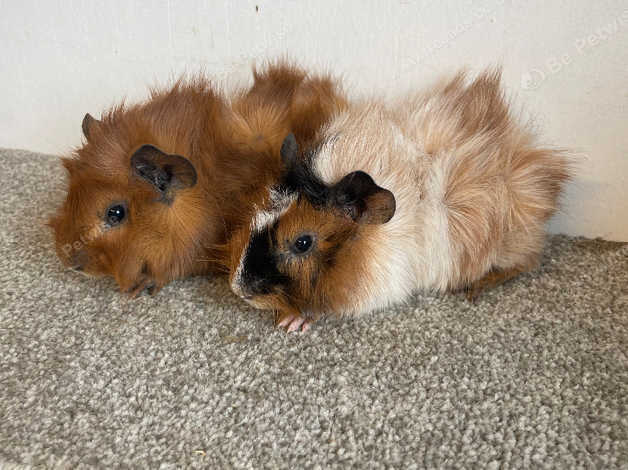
pixel 263 219
pixel 412 250
pixel 280 201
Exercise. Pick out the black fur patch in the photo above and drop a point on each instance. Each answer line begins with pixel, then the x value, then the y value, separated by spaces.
pixel 300 177
pixel 260 273
pixel 350 195
pixel 356 195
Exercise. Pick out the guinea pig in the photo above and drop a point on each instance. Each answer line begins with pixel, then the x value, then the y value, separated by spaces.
pixel 156 186
pixel 444 191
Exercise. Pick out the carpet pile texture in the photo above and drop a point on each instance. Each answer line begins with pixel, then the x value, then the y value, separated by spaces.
pixel 532 375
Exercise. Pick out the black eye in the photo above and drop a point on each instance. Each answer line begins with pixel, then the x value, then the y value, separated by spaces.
pixel 302 244
pixel 115 214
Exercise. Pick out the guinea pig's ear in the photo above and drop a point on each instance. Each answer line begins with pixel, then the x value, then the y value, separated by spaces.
pixel 289 151
pixel 89 122
pixel 165 172
pixel 360 198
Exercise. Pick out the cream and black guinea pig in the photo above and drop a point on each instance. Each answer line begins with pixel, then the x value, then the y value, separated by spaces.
pixel 157 186
pixel 444 190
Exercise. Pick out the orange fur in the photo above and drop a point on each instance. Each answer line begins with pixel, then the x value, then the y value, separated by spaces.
pixel 232 145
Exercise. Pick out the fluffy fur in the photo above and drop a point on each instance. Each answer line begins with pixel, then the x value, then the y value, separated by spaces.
pixel 164 238
pixel 473 190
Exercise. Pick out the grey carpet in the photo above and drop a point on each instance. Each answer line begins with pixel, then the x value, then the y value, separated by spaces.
pixel 534 375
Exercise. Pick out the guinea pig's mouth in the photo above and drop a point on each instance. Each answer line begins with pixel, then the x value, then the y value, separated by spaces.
pixel 249 299
pixel 241 293
pixel 252 297
pixel 255 301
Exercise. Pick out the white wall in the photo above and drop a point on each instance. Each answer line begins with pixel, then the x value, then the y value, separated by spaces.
pixel 566 61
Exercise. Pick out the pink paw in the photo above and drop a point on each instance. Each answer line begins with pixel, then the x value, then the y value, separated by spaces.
pixel 293 322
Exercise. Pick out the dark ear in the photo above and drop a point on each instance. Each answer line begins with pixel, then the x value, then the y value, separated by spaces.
pixel 166 173
pixel 360 198
pixel 289 151
pixel 88 123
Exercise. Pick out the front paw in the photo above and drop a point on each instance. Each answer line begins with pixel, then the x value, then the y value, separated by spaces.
pixel 292 321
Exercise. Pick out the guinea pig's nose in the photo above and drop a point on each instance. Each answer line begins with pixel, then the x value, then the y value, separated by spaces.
pixel 257 286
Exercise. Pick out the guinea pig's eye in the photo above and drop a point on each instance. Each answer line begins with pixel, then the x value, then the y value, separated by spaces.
pixel 115 214
pixel 302 244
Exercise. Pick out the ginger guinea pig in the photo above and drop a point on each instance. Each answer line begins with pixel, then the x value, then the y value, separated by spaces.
pixel 156 187
pixel 444 191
